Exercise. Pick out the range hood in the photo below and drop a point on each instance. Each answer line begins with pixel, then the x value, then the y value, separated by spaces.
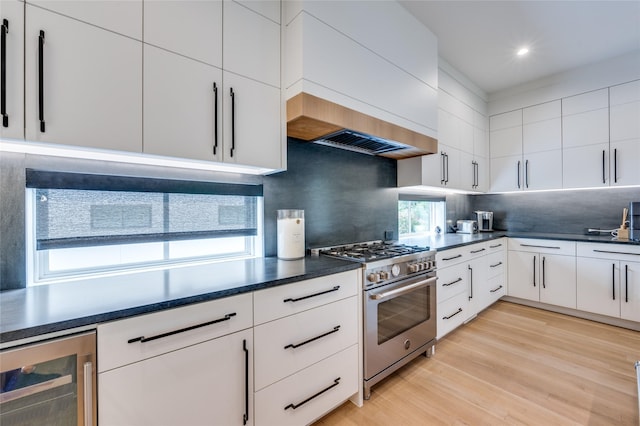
pixel 317 120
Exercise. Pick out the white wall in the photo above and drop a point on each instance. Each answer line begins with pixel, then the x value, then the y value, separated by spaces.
pixel 620 69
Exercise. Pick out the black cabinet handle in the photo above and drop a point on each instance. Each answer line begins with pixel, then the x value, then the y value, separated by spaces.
pixel 245 416
pixel 336 382
pixel 534 271
pixel 615 165
pixel 536 246
pixel 604 180
pixel 543 261
pixel 446 157
pixel 336 288
pixel 451 258
pixel 526 173
pixel 477 251
pixel 518 174
pixel 443 167
pixel 626 283
pixel 3 72
pixel 453 314
pixel 470 282
pixel 496 265
pixel 215 118
pixel 143 339
pixel 233 121
pixel 41 81
pixel 313 339
pixel 477 174
pixel 495 289
pixel 616 252
pixel 452 282
pixel 613 280
pixel 496 246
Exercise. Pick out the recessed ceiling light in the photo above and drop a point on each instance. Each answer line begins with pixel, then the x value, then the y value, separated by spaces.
pixel 523 51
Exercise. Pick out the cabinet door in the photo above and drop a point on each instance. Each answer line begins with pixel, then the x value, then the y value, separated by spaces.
pixel 251 44
pixel 558 280
pixel 482 174
pixel 182 107
pixel 252 123
pixel 506 174
pixel 543 135
pixel 630 291
pixel 467 171
pixel 586 167
pixel 189 28
pixel 452 164
pixel 624 157
pixel 92 84
pixel 587 128
pixel 524 279
pixel 543 170
pixel 209 382
pixel 598 288
pixel 478 300
pixel 12 21
pixel 452 313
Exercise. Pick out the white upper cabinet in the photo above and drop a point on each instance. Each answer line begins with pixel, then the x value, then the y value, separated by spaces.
pixel 12 22
pixel 542 146
pixel 120 16
pixel 624 122
pixel 334 53
pixel 91 93
pixel 188 28
pixel 505 134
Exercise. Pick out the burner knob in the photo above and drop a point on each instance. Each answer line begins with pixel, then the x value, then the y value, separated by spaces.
pixel 374 278
pixel 413 268
pixel 384 275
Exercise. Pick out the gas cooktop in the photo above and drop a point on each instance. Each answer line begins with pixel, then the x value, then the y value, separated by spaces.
pixel 369 251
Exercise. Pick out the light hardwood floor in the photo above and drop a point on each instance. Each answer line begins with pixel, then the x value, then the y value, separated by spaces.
pixel 512 365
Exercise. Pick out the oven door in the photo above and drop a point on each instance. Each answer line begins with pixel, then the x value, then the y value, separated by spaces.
pixel 399 319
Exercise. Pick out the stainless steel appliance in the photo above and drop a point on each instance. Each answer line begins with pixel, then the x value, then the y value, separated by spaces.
pixel 467 227
pixel 485 221
pixel 399 304
pixel 634 221
pixel 49 383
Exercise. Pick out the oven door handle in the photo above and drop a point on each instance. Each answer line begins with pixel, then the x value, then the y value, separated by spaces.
pixel 404 289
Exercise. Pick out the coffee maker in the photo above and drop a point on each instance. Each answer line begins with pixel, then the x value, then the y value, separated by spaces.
pixel 485 221
pixel 634 220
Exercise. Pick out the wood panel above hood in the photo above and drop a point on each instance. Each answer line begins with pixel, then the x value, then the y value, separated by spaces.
pixel 311 118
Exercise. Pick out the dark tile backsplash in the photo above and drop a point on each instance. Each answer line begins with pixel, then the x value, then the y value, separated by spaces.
pixel 346 196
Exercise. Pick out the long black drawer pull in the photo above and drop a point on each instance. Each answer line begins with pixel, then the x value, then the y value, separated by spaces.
pixel 470 282
pixel 626 283
pixel 215 118
pixel 613 280
pixel 313 339
pixel 245 416
pixel 495 289
pixel 534 271
pixel 3 77
pixel 544 259
pixel 336 382
pixel 496 246
pixel 453 314
pixel 496 265
pixel 535 246
pixel 616 252
pixel 452 282
pixel 336 288
pixel 477 251
pixel 233 121
pixel 143 339
pixel 451 258
pixel 41 80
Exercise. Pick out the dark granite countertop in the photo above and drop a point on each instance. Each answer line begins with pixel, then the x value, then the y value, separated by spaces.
pixel 39 310
pixel 449 241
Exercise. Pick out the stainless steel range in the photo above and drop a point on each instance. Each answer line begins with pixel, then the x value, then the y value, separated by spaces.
pixel 399 304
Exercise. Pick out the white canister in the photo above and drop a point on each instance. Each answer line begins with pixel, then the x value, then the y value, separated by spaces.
pixel 291 234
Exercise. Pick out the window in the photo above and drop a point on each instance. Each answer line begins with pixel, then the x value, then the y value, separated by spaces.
pixel 420 216
pixel 92 224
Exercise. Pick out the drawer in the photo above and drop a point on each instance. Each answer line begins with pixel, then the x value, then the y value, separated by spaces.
pixel 496 245
pixel 169 330
pixel 496 263
pixel 476 250
pixel 620 251
pixel 312 331
pixel 313 391
pixel 452 313
pixel 451 257
pixel 278 302
pixel 567 248
pixel 496 288
pixel 451 281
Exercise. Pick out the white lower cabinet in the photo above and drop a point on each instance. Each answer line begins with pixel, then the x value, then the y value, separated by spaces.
pixel 609 280
pixel 208 383
pixel 307 395
pixel 543 271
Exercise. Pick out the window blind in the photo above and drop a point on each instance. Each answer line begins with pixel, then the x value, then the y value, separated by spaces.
pixel 79 210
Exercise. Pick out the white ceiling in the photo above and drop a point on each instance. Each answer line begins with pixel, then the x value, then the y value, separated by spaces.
pixel 479 38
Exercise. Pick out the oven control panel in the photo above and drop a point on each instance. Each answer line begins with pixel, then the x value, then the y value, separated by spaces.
pixel 398 270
